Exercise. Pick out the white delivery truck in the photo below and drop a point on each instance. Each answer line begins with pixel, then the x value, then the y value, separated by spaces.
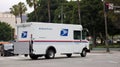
pixel 47 39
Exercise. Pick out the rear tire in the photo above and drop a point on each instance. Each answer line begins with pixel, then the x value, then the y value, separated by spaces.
pixel 26 55
pixel 68 55
pixel 50 54
pixel 3 54
pixel 84 53
pixel 34 57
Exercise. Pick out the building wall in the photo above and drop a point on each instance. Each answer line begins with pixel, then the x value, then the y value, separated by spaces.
pixel 9 18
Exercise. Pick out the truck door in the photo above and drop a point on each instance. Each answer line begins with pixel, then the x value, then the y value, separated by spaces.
pixel 22 46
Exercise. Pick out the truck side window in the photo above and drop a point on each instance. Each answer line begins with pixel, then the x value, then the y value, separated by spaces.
pixel 77 35
pixel 83 35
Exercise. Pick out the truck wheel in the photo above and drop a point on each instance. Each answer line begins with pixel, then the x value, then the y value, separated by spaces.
pixel 84 53
pixel 50 54
pixel 34 57
pixel 68 55
pixel 25 55
pixel 3 54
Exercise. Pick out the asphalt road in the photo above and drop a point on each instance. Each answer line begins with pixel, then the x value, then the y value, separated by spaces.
pixel 94 59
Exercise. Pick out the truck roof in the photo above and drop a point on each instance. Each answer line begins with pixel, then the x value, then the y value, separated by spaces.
pixel 30 23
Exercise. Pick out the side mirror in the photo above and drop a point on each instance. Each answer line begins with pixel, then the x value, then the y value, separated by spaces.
pixel 85 34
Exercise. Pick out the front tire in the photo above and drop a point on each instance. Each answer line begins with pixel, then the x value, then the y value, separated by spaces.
pixel 84 53
pixel 50 54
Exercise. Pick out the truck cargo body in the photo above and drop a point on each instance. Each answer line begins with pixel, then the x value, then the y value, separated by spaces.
pixel 37 39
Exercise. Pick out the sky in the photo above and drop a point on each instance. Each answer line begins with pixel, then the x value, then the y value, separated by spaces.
pixel 5 5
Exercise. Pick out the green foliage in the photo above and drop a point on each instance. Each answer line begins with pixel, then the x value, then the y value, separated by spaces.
pixel 35 4
pixel 42 10
pixel 92 15
pixel 31 2
pixel 18 9
pixel 69 13
pixel 14 10
pixel 114 18
pixel 6 32
pixel 110 46
pixel 22 9
pixel 90 12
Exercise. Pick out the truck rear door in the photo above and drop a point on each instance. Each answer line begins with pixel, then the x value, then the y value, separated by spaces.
pixel 21 46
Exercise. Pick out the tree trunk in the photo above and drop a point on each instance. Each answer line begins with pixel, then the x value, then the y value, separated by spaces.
pixel 49 15
pixel 79 11
pixel 21 14
pixel 21 17
pixel 112 39
pixel 94 37
pixel 101 37
pixel 15 19
pixel 35 9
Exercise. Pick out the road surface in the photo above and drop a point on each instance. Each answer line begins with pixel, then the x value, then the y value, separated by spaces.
pixel 94 59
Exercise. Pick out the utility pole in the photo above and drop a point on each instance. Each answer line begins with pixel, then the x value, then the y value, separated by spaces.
pixel 106 31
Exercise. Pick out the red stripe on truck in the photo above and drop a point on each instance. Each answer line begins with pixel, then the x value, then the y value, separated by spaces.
pixel 54 41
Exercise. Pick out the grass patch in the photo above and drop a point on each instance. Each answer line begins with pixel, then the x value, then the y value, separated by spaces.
pixel 103 46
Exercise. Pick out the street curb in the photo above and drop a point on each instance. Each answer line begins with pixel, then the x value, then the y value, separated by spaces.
pixel 103 51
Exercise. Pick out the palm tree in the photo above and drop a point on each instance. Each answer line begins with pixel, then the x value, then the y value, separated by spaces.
pixel 22 8
pixel 49 14
pixel 33 3
pixel 15 11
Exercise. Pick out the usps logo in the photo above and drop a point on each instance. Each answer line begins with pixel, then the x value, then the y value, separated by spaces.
pixel 64 32
pixel 24 34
